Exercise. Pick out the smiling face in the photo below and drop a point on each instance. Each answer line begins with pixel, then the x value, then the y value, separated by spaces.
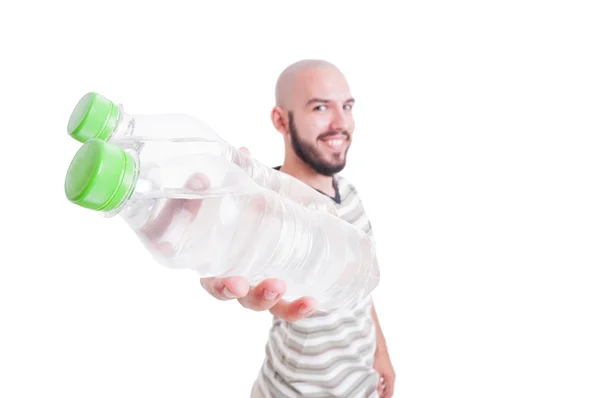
pixel 320 123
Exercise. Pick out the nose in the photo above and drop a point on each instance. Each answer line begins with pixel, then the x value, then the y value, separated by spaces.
pixel 341 120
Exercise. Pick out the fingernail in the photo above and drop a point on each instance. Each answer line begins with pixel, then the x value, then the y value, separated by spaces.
pixel 269 295
pixel 303 309
pixel 197 183
pixel 227 293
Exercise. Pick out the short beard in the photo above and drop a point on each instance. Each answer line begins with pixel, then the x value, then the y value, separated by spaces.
pixel 308 153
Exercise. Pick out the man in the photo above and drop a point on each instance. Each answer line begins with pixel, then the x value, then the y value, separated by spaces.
pixel 342 353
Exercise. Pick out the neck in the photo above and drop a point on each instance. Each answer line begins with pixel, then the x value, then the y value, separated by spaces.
pixel 295 167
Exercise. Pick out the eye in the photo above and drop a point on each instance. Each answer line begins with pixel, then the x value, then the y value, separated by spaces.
pixel 319 108
pixel 347 107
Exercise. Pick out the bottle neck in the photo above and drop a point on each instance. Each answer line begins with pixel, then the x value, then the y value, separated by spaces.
pixel 124 127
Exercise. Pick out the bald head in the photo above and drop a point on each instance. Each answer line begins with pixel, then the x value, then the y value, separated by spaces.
pixel 314 115
pixel 292 76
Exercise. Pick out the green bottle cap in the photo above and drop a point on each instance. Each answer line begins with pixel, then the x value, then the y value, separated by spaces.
pixel 101 176
pixel 93 117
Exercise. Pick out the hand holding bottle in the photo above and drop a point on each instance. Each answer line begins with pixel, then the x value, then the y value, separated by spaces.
pixel 266 295
pixel 201 212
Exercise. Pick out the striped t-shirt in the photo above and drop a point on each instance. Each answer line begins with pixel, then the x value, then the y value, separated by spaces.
pixel 325 354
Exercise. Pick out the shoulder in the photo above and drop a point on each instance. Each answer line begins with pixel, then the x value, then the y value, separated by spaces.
pixel 346 189
pixel 351 208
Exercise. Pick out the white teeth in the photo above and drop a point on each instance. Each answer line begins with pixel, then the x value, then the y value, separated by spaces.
pixel 335 143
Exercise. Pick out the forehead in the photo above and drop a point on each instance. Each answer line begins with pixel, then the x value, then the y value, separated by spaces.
pixel 324 82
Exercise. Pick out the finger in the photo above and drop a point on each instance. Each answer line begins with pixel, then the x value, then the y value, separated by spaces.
pixel 264 296
pixel 196 183
pixel 245 150
pixel 384 393
pixel 159 224
pixel 226 288
pixel 295 310
pixel 387 388
pixel 381 387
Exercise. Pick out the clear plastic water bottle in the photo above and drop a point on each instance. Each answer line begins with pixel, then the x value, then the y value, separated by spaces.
pixel 95 116
pixel 201 212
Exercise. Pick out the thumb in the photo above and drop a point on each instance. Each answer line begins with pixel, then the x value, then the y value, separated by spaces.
pixel 245 150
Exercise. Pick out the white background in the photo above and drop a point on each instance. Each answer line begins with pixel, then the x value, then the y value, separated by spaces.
pixel 476 155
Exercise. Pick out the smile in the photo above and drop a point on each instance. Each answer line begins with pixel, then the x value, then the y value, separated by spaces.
pixel 335 142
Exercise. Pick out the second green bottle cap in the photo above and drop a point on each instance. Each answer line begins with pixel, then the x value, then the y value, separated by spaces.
pixel 101 176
